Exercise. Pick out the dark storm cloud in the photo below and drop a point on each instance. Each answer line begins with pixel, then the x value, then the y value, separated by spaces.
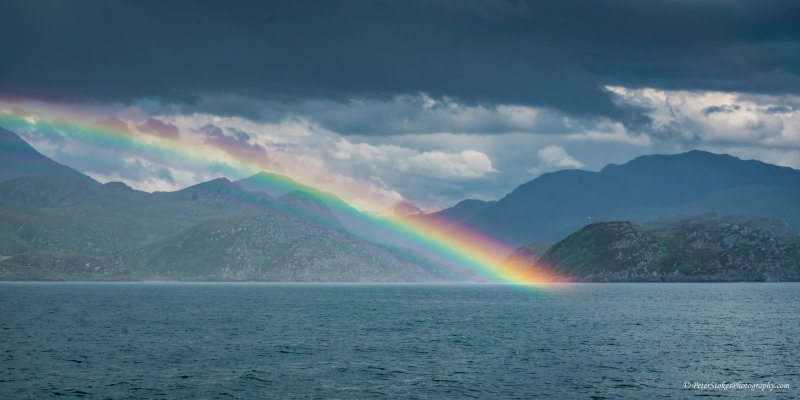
pixel 554 53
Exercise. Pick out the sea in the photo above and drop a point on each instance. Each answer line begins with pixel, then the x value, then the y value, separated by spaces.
pixel 399 341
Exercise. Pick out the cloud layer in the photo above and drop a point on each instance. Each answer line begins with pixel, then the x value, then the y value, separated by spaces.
pixel 554 54
pixel 445 152
pixel 434 101
pixel 765 127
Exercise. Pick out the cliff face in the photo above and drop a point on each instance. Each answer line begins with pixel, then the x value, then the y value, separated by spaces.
pixel 704 248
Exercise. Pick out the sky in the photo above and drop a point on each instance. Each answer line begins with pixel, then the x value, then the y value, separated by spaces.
pixel 431 101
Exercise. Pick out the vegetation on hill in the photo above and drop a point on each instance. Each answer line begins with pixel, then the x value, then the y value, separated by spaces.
pixel 703 248
pixel 61 228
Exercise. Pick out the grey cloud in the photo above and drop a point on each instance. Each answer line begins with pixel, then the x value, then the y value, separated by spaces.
pixel 747 120
pixel 212 131
pixel 723 109
pixel 779 109
pixel 240 135
pixel 554 54
pixel 237 144
pixel 158 128
pixel 113 123
pixel 165 174
pixel 397 115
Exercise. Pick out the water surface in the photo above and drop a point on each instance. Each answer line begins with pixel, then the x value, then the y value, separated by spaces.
pixel 244 341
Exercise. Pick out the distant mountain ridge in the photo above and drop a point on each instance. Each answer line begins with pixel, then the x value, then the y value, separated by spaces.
pixel 58 224
pixel 18 159
pixel 54 228
pixel 464 210
pixel 273 185
pixel 404 208
pixel 556 204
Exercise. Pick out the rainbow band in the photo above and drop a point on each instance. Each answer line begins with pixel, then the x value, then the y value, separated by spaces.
pixel 443 239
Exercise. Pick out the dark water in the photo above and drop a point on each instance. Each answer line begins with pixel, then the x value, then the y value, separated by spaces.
pixel 249 341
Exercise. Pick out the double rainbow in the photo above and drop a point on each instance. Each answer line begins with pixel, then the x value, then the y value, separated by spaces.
pixel 481 257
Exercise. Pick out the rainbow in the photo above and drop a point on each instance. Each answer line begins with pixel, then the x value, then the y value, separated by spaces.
pixel 482 257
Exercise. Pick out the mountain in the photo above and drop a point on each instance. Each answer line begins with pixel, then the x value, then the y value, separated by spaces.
pixel 313 202
pixel 61 228
pixel 63 215
pixel 218 192
pixel 464 210
pixel 273 249
pixel 404 208
pixel 313 206
pixel 556 204
pixel 328 207
pixel 223 193
pixel 71 227
pixel 702 248
pixel 273 185
pixel 18 159
pixel 778 230
pixel 527 255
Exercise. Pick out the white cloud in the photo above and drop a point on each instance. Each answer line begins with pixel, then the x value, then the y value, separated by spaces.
pixel 356 171
pixel 345 150
pixel 709 118
pixel 554 157
pixel 468 164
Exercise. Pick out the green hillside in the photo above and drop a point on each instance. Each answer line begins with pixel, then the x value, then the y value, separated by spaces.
pixel 702 248
pixel 66 229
